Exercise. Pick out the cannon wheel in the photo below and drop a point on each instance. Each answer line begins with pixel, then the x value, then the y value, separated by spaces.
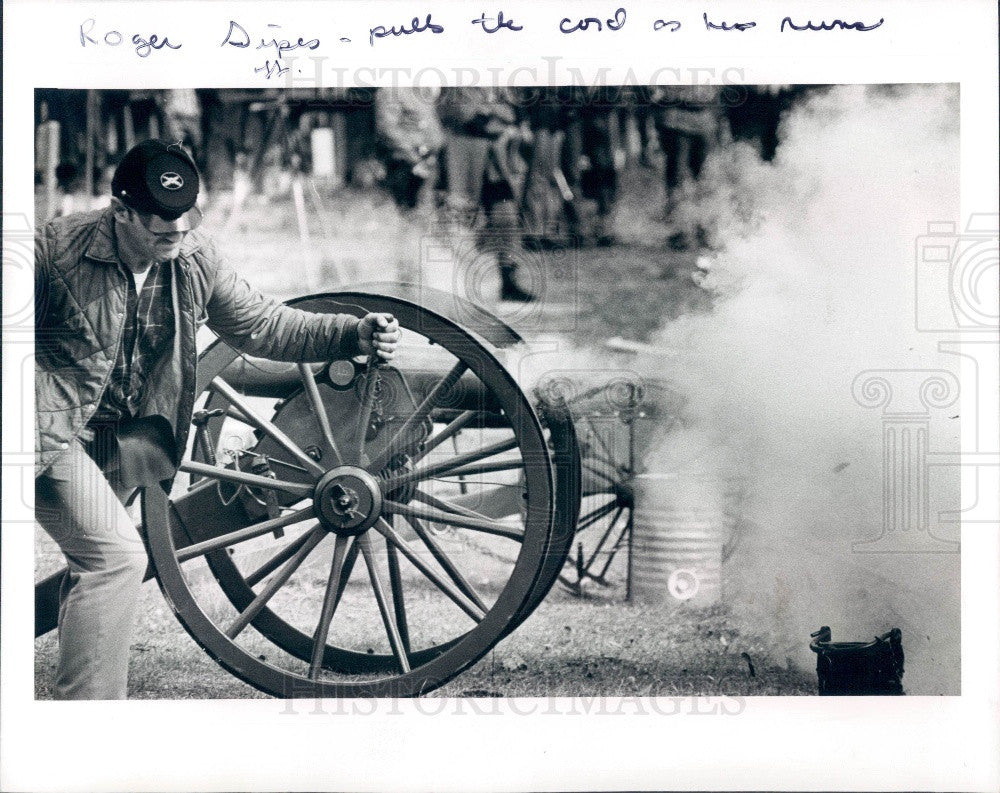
pixel 542 544
pixel 563 449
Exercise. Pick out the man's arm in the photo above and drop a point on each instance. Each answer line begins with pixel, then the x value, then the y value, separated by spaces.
pixel 247 320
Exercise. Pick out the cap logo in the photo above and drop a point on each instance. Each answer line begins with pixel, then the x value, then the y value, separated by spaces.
pixel 171 181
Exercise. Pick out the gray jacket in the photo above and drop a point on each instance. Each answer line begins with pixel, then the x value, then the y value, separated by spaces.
pixel 80 294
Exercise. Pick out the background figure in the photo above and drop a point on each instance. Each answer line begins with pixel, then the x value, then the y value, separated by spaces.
pixel 687 123
pixel 549 212
pixel 481 127
pixel 590 163
pixel 242 189
pixel 756 118
pixel 599 134
pixel 181 109
pixel 410 136
pixel 67 178
pixel 637 102
pixel 47 160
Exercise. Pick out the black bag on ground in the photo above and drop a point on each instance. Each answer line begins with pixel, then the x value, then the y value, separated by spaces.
pixel 859 668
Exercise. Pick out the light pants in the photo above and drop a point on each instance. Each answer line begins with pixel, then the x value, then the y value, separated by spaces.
pixel 83 512
pixel 466 158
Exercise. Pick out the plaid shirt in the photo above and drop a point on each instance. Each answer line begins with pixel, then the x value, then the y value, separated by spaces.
pixel 149 331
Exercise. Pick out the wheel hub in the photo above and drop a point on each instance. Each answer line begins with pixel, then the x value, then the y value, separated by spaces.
pixel 348 500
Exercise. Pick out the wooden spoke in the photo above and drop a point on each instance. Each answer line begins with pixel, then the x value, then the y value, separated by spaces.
pixel 243 478
pixel 451 519
pixel 398 601
pixel 463 486
pixel 224 389
pixel 447 506
pixel 597 436
pixel 604 538
pixel 330 599
pixel 345 573
pixel 242 535
pixel 371 379
pixel 444 467
pixel 283 464
pixel 614 547
pixel 421 474
pixel 278 559
pixel 312 391
pixel 277 582
pixel 494 501
pixel 597 471
pixel 233 412
pixel 457 424
pixel 422 412
pixel 445 561
pixel 345 576
pixel 388 619
pixel 592 517
pixel 472 609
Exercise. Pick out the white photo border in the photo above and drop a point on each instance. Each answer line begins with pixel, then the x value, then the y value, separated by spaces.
pixel 773 743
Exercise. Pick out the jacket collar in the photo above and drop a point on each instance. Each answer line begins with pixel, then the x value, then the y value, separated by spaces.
pixel 102 245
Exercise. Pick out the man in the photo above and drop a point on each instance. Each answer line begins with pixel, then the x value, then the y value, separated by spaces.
pixel 480 125
pixel 549 206
pixel 687 122
pixel 411 138
pixel 593 142
pixel 119 296
pixel 182 119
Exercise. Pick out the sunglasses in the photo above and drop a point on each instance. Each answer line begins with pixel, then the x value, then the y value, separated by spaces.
pixel 154 224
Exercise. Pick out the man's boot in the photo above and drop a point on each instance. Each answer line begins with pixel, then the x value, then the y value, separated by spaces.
pixel 509 290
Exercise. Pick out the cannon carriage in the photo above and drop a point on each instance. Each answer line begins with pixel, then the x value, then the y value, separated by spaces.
pixel 344 529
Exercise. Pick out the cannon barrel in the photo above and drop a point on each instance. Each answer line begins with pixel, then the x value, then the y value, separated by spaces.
pixel 275 380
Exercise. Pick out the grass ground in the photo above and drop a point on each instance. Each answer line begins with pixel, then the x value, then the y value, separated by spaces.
pixel 567 647
pixel 570 646
pixel 596 644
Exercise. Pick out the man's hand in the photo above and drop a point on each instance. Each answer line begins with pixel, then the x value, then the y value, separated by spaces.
pixel 379 333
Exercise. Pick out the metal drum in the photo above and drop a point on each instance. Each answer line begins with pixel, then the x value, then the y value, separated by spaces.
pixel 678 531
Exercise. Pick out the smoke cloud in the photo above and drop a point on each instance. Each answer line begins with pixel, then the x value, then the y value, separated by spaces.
pixel 814 284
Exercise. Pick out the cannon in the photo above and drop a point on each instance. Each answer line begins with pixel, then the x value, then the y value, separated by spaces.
pixel 347 530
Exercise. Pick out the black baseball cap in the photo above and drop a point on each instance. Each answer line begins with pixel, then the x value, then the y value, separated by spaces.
pixel 159 179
